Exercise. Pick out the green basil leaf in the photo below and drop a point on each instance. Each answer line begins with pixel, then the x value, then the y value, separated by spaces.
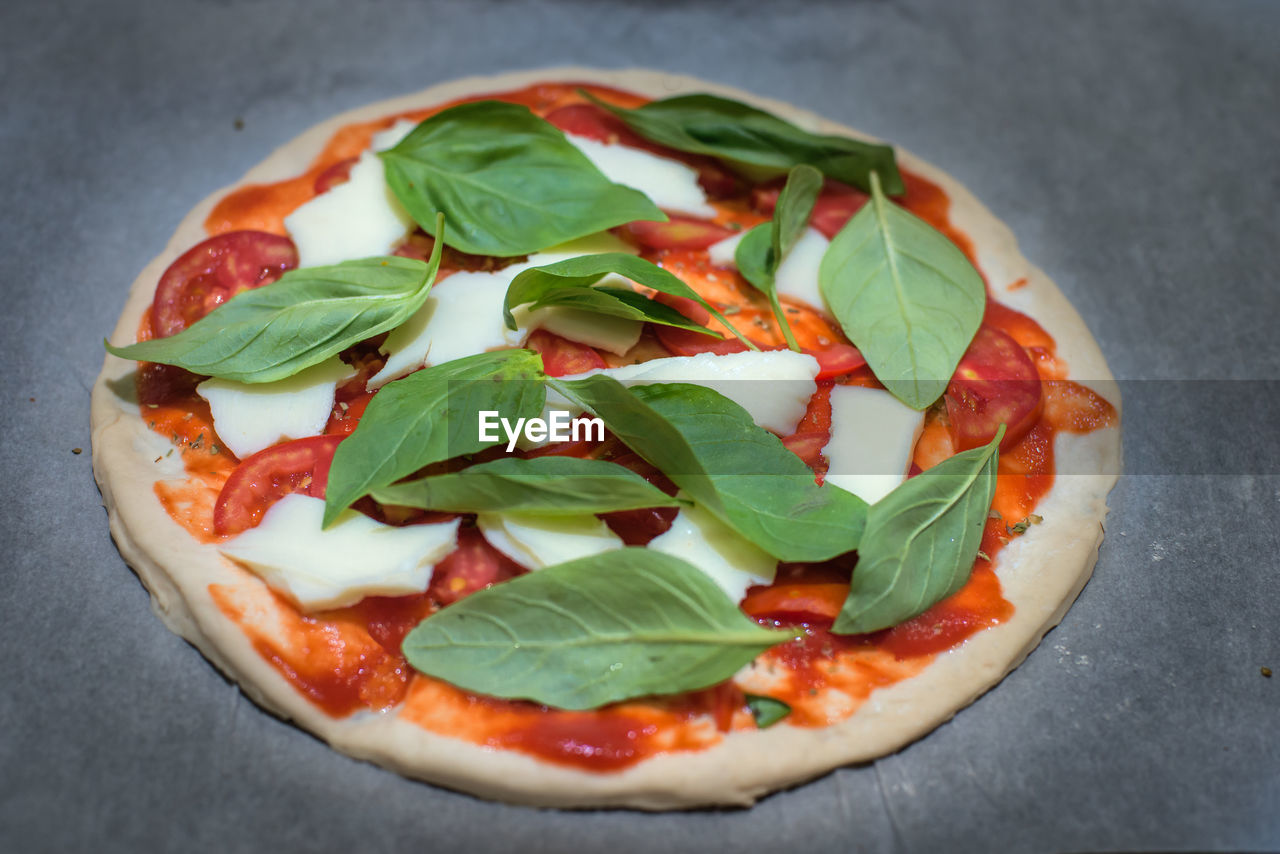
pixel 766 710
pixel 921 541
pixel 509 182
pixel 745 136
pixel 741 473
pixel 273 332
pixel 429 416
pixel 905 295
pixel 548 486
pixel 578 635
pixel 572 279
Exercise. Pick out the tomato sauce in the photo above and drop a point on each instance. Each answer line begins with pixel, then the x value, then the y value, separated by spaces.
pixel 348 660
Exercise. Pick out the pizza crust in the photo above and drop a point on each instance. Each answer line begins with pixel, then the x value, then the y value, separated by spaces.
pixel 1041 572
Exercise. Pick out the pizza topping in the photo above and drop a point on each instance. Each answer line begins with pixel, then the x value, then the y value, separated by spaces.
pixel 995 383
pixel 729 560
pixel 677 233
pixel 353 558
pixel 508 182
pixel 836 204
pixel 355 218
pixel 269 475
pixel 561 357
pixel 271 333
pixel 473 565
pixel 669 184
pixel 905 295
pixel 535 541
pixel 920 541
pixel 251 417
pixel 212 272
pixel 628 623
pixel 873 436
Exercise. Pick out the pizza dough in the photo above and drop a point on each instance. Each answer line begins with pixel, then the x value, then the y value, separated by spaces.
pixel 1041 573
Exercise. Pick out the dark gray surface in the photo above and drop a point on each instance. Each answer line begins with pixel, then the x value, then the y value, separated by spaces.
pixel 1133 148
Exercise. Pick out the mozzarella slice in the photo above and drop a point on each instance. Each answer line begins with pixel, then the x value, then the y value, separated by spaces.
pixel 356 557
pixel 873 438
pixel 774 386
pixel 535 542
pixel 251 416
pixel 723 253
pixel 797 277
pixel 463 316
pixel 356 219
pixel 669 184
pixel 727 558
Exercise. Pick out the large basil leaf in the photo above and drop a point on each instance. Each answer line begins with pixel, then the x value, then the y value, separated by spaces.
pixel 430 416
pixel 273 332
pixel 905 295
pixel 762 250
pixel 509 182
pixel 743 135
pixel 571 283
pixel 741 473
pixel 578 635
pixel 547 486
pixel 920 541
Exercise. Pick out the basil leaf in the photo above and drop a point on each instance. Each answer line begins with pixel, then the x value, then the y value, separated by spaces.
pixel 905 295
pixel 921 541
pixel 429 416
pixel 569 282
pixel 548 486
pixel 509 182
pixel 741 473
pixel 762 250
pixel 578 635
pixel 746 136
pixel 766 710
pixel 275 331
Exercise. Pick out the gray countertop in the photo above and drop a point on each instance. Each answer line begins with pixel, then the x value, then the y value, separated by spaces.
pixel 1131 146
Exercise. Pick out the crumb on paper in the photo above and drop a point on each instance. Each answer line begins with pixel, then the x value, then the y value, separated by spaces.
pixel 77 450
pixel 1265 671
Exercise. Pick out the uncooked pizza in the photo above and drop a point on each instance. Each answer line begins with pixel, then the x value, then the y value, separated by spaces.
pixel 587 438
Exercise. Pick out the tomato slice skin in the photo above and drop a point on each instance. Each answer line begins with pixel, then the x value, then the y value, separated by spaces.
pixel 473 565
pixel 561 357
pixel 996 382
pixel 269 475
pixel 676 233
pixel 836 360
pixel 215 270
pixel 809 603
pixel 835 205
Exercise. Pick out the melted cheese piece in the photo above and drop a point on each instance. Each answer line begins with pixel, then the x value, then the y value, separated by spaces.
pixel 463 316
pixel 356 219
pixel 873 437
pixel 669 184
pixel 356 557
pixel 249 417
pixel 728 559
pixel 797 277
pixel 535 542
pixel 773 386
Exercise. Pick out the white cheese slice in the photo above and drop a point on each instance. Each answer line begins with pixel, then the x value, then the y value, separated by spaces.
pixel 535 542
pixel 728 559
pixel 357 219
pixel 251 416
pixel 873 438
pixel 356 557
pixel 797 277
pixel 773 386
pixel 669 184
pixel 463 316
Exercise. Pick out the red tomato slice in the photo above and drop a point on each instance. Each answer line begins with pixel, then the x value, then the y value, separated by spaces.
pixel 338 173
pixel 835 205
pixel 344 419
pixel 676 233
pixel 995 383
pixel 837 359
pixel 817 603
pixel 212 272
pixel 269 475
pixel 473 565
pixel 561 357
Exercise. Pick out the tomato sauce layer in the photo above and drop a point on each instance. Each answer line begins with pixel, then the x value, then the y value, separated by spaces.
pixel 349 660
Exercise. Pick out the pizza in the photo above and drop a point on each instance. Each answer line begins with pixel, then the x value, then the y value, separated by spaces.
pixel 583 438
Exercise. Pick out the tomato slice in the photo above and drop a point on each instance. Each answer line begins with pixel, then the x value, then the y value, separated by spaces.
pixel 269 475
pixel 561 357
pixel 473 565
pixel 835 205
pixel 338 173
pixel 212 272
pixel 809 603
pixel 836 359
pixel 676 233
pixel 995 383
